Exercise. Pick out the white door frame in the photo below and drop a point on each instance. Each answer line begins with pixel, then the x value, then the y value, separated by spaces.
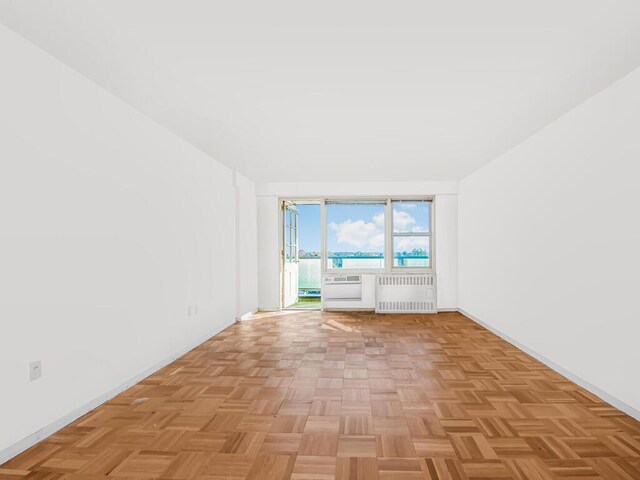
pixel 289 254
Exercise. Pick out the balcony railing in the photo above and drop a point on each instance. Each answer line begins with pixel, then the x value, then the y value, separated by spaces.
pixel 310 271
pixel 309 276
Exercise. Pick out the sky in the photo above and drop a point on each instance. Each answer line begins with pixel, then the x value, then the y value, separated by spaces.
pixel 352 228
pixel 309 228
pixel 355 228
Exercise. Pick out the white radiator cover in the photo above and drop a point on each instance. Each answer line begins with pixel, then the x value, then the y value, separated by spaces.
pixel 406 293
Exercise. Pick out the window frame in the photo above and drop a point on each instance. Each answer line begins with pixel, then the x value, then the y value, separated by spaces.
pixel 324 231
pixel 388 248
pixel 428 235
pixel 290 243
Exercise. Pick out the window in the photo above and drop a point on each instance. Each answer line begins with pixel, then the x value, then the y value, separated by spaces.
pixel 291 234
pixel 355 234
pixel 411 233
pixel 377 234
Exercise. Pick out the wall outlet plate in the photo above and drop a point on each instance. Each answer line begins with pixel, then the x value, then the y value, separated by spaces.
pixel 35 370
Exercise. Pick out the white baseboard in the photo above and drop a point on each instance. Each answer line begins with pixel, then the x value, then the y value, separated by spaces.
pixel 367 310
pixel 277 309
pixel 27 442
pixel 269 309
pixel 604 396
pixel 247 316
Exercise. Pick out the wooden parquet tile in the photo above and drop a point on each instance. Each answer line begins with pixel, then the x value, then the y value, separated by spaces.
pixel 347 396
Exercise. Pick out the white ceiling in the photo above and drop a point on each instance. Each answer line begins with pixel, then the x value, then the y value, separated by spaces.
pixel 343 90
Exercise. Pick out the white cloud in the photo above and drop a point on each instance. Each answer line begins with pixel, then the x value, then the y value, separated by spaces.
pixel 402 221
pixel 377 242
pixel 359 234
pixel 369 236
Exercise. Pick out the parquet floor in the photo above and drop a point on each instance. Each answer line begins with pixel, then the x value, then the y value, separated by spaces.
pixel 315 396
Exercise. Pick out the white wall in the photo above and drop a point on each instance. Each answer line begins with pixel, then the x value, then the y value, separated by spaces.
pixel 111 226
pixel 446 250
pixel 446 228
pixel 550 242
pixel 269 278
pixel 247 235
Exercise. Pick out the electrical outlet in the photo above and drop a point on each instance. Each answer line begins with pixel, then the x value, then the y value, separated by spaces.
pixel 35 370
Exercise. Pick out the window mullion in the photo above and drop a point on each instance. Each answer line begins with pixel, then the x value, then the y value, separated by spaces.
pixel 323 234
pixel 388 236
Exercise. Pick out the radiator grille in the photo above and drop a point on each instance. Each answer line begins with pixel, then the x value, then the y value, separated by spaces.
pixel 344 279
pixel 406 293
pixel 418 307
pixel 406 280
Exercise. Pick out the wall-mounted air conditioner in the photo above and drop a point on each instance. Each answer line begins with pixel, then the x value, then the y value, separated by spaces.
pixel 342 287
pixel 406 293
pixel 347 292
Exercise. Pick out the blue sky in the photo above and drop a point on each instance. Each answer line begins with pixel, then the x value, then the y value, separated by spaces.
pixel 353 228
pixel 309 228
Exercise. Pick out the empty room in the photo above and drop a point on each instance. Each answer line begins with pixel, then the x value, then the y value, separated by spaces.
pixel 339 240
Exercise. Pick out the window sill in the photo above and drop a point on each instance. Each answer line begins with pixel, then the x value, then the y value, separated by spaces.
pixel 376 271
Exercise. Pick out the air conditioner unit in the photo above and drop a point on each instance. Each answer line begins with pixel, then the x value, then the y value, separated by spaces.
pixel 406 293
pixel 342 288
pixel 348 292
